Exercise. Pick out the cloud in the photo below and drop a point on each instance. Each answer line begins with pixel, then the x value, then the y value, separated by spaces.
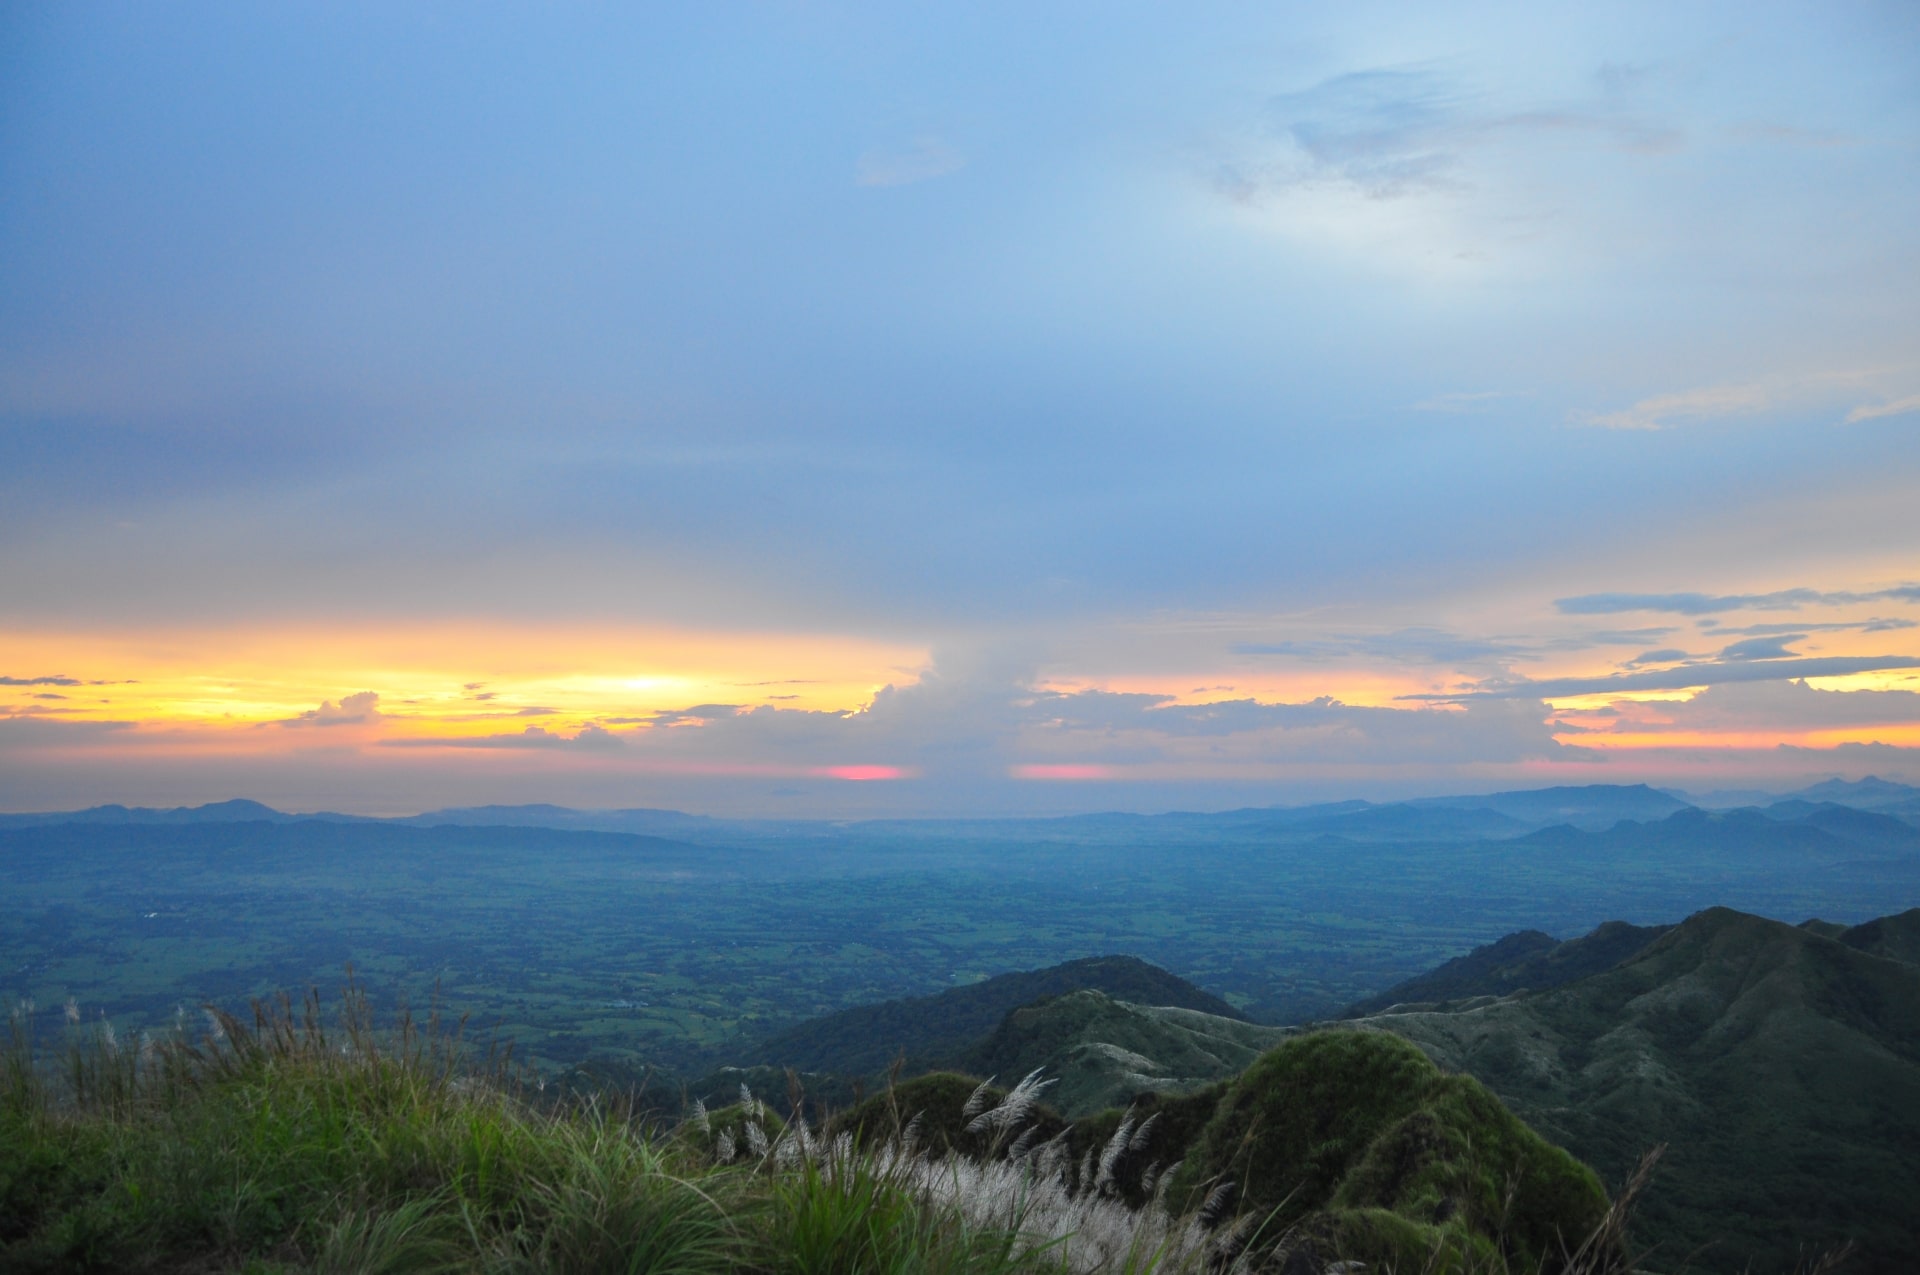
pixel 1665 655
pixel 1388 133
pixel 1707 603
pixel 1777 705
pixel 922 160
pixel 53 680
pixel 696 715
pixel 589 738
pixel 1664 410
pixel 963 724
pixel 352 710
pixel 1461 402
pixel 1763 648
pixel 1877 625
pixel 29 732
pixel 1875 411
pixel 1683 678
pixel 1416 645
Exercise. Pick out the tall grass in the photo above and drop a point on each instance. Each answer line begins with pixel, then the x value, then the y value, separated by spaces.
pixel 294 1139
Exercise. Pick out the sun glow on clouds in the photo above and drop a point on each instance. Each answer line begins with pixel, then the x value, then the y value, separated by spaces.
pixel 1525 694
pixel 445 681
pixel 1066 770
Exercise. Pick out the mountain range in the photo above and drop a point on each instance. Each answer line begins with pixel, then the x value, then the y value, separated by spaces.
pixel 1778 1064
pixel 1488 816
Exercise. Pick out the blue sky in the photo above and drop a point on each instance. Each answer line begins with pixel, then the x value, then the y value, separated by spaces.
pixel 1228 356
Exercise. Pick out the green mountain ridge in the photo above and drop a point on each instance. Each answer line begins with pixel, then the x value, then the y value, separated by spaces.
pixel 1525 961
pixel 1781 1067
pixel 1103 1052
pixel 930 1031
pixel 1894 937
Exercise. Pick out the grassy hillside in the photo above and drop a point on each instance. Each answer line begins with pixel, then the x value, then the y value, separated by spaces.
pixel 1782 1067
pixel 1357 1144
pixel 1895 937
pixel 283 1146
pixel 1105 1052
pixel 934 1030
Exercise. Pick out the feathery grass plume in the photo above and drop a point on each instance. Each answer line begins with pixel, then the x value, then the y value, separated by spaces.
pixel 911 1135
pixel 757 1140
pixel 1110 1154
pixel 725 1146
pixel 1051 1160
pixel 1139 1141
pixel 1045 1220
pixel 788 1148
pixel 977 1100
pixel 1230 1242
pixel 700 1120
pixel 1023 1143
pixel 1011 1110
pixel 1218 1201
pixel 72 1010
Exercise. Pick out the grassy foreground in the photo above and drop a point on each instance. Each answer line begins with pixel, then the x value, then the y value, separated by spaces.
pixel 286 1144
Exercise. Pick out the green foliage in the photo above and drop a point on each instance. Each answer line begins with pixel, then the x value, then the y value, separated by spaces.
pixel 1336 1129
pixel 1780 1066
pixel 933 1031
pixel 279 1146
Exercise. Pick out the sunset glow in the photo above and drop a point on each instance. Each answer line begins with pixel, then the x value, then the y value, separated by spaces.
pixel 1369 409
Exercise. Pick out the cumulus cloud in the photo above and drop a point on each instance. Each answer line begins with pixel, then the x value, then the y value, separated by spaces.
pixel 352 710
pixel 590 738
pixel 985 723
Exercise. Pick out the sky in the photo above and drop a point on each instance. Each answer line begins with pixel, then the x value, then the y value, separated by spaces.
pixel 825 410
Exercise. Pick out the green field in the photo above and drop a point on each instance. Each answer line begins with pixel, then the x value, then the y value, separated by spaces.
pixel 647 952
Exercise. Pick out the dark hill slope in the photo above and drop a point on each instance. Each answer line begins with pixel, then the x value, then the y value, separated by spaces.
pixel 1781 1067
pixel 1895 937
pixel 1528 960
pixel 933 1029
pixel 1355 1148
